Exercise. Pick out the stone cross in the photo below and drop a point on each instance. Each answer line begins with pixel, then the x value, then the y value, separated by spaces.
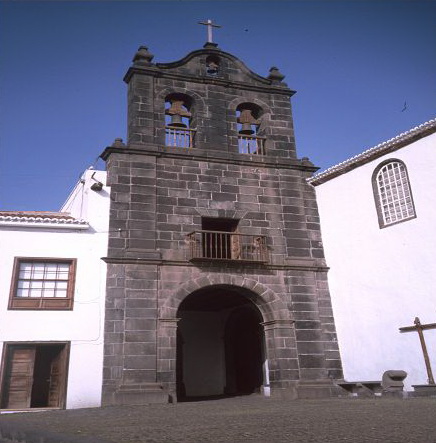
pixel 420 328
pixel 209 25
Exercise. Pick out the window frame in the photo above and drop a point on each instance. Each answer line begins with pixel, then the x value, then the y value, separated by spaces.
pixel 42 303
pixel 377 196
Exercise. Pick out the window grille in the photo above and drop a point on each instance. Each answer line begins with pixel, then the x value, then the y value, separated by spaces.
pixel 394 194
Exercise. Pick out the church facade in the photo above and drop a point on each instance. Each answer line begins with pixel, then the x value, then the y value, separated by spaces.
pixel 216 278
pixel 194 266
pixel 378 212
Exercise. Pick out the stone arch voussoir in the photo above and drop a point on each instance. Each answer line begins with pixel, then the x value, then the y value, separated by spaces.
pixel 266 300
pixel 239 100
pixel 198 100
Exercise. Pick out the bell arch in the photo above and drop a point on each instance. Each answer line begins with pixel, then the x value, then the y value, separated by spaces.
pixel 179 116
pixel 177 110
pixel 250 122
pixel 196 101
pixel 233 105
pixel 264 112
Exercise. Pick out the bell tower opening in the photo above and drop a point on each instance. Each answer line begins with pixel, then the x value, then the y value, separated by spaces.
pixel 220 349
pixel 178 119
pixel 250 139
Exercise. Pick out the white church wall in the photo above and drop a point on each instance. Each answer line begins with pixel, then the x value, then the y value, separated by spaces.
pixel 82 326
pixel 381 279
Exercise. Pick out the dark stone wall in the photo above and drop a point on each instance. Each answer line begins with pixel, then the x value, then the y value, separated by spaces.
pixel 160 194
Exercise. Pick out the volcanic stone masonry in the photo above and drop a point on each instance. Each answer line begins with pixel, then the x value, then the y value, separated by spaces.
pixel 217 283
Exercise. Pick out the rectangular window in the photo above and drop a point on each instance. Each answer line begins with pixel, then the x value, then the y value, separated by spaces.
pixel 40 283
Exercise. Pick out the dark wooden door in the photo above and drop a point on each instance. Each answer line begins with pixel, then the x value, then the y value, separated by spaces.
pixel 19 378
pixel 57 379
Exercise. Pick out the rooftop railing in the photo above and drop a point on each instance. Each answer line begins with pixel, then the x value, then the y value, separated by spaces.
pixel 218 245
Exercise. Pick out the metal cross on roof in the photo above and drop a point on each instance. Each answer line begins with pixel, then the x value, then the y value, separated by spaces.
pixel 209 25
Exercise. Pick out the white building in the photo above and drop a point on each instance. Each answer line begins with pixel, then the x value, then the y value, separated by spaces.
pixel 52 287
pixel 378 219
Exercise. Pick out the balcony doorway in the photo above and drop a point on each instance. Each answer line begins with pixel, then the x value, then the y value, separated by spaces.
pixel 220 240
pixel 215 242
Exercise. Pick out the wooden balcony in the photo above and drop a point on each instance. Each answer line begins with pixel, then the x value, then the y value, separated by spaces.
pixel 179 137
pixel 227 246
pixel 249 144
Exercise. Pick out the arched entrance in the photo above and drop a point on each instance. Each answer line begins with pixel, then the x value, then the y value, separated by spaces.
pixel 220 347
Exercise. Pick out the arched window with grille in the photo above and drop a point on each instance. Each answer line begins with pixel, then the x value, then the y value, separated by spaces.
pixel 392 192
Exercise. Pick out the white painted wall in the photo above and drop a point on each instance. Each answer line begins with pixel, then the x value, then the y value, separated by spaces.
pixel 381 279
pixel 83 326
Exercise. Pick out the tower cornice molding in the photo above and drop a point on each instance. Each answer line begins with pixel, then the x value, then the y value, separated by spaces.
pixel 211 156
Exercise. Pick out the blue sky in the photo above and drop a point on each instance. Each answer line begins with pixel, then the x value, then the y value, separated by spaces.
pixel 353 64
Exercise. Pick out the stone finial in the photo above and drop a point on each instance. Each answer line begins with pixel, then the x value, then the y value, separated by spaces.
pixel 306 162
pixel 143 56
pixel 118 143
pixel 275 74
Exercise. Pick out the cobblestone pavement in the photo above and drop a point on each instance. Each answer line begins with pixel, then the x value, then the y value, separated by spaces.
pixel 247 419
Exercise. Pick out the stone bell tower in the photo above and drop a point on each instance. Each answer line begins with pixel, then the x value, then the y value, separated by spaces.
pixel 216 282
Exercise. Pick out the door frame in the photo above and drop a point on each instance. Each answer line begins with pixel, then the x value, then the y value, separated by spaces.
pixel 7 345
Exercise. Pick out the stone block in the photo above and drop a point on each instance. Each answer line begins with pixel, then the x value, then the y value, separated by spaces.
pixel 139 349
pixel 140 336
pixel 140 324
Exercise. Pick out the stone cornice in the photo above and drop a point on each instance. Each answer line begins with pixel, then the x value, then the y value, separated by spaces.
pixel 297 264
pixel 212 156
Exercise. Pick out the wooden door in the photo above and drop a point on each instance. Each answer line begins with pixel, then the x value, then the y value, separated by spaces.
pixel 57 379
pixel 19 378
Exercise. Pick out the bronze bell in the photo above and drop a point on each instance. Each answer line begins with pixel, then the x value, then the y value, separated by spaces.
pixel 246 129
pixel 246 119
pixel 176 120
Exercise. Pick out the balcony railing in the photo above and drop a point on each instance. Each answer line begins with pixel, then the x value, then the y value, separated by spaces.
pixel 218 245
pixel 249 144
pixel 179 137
